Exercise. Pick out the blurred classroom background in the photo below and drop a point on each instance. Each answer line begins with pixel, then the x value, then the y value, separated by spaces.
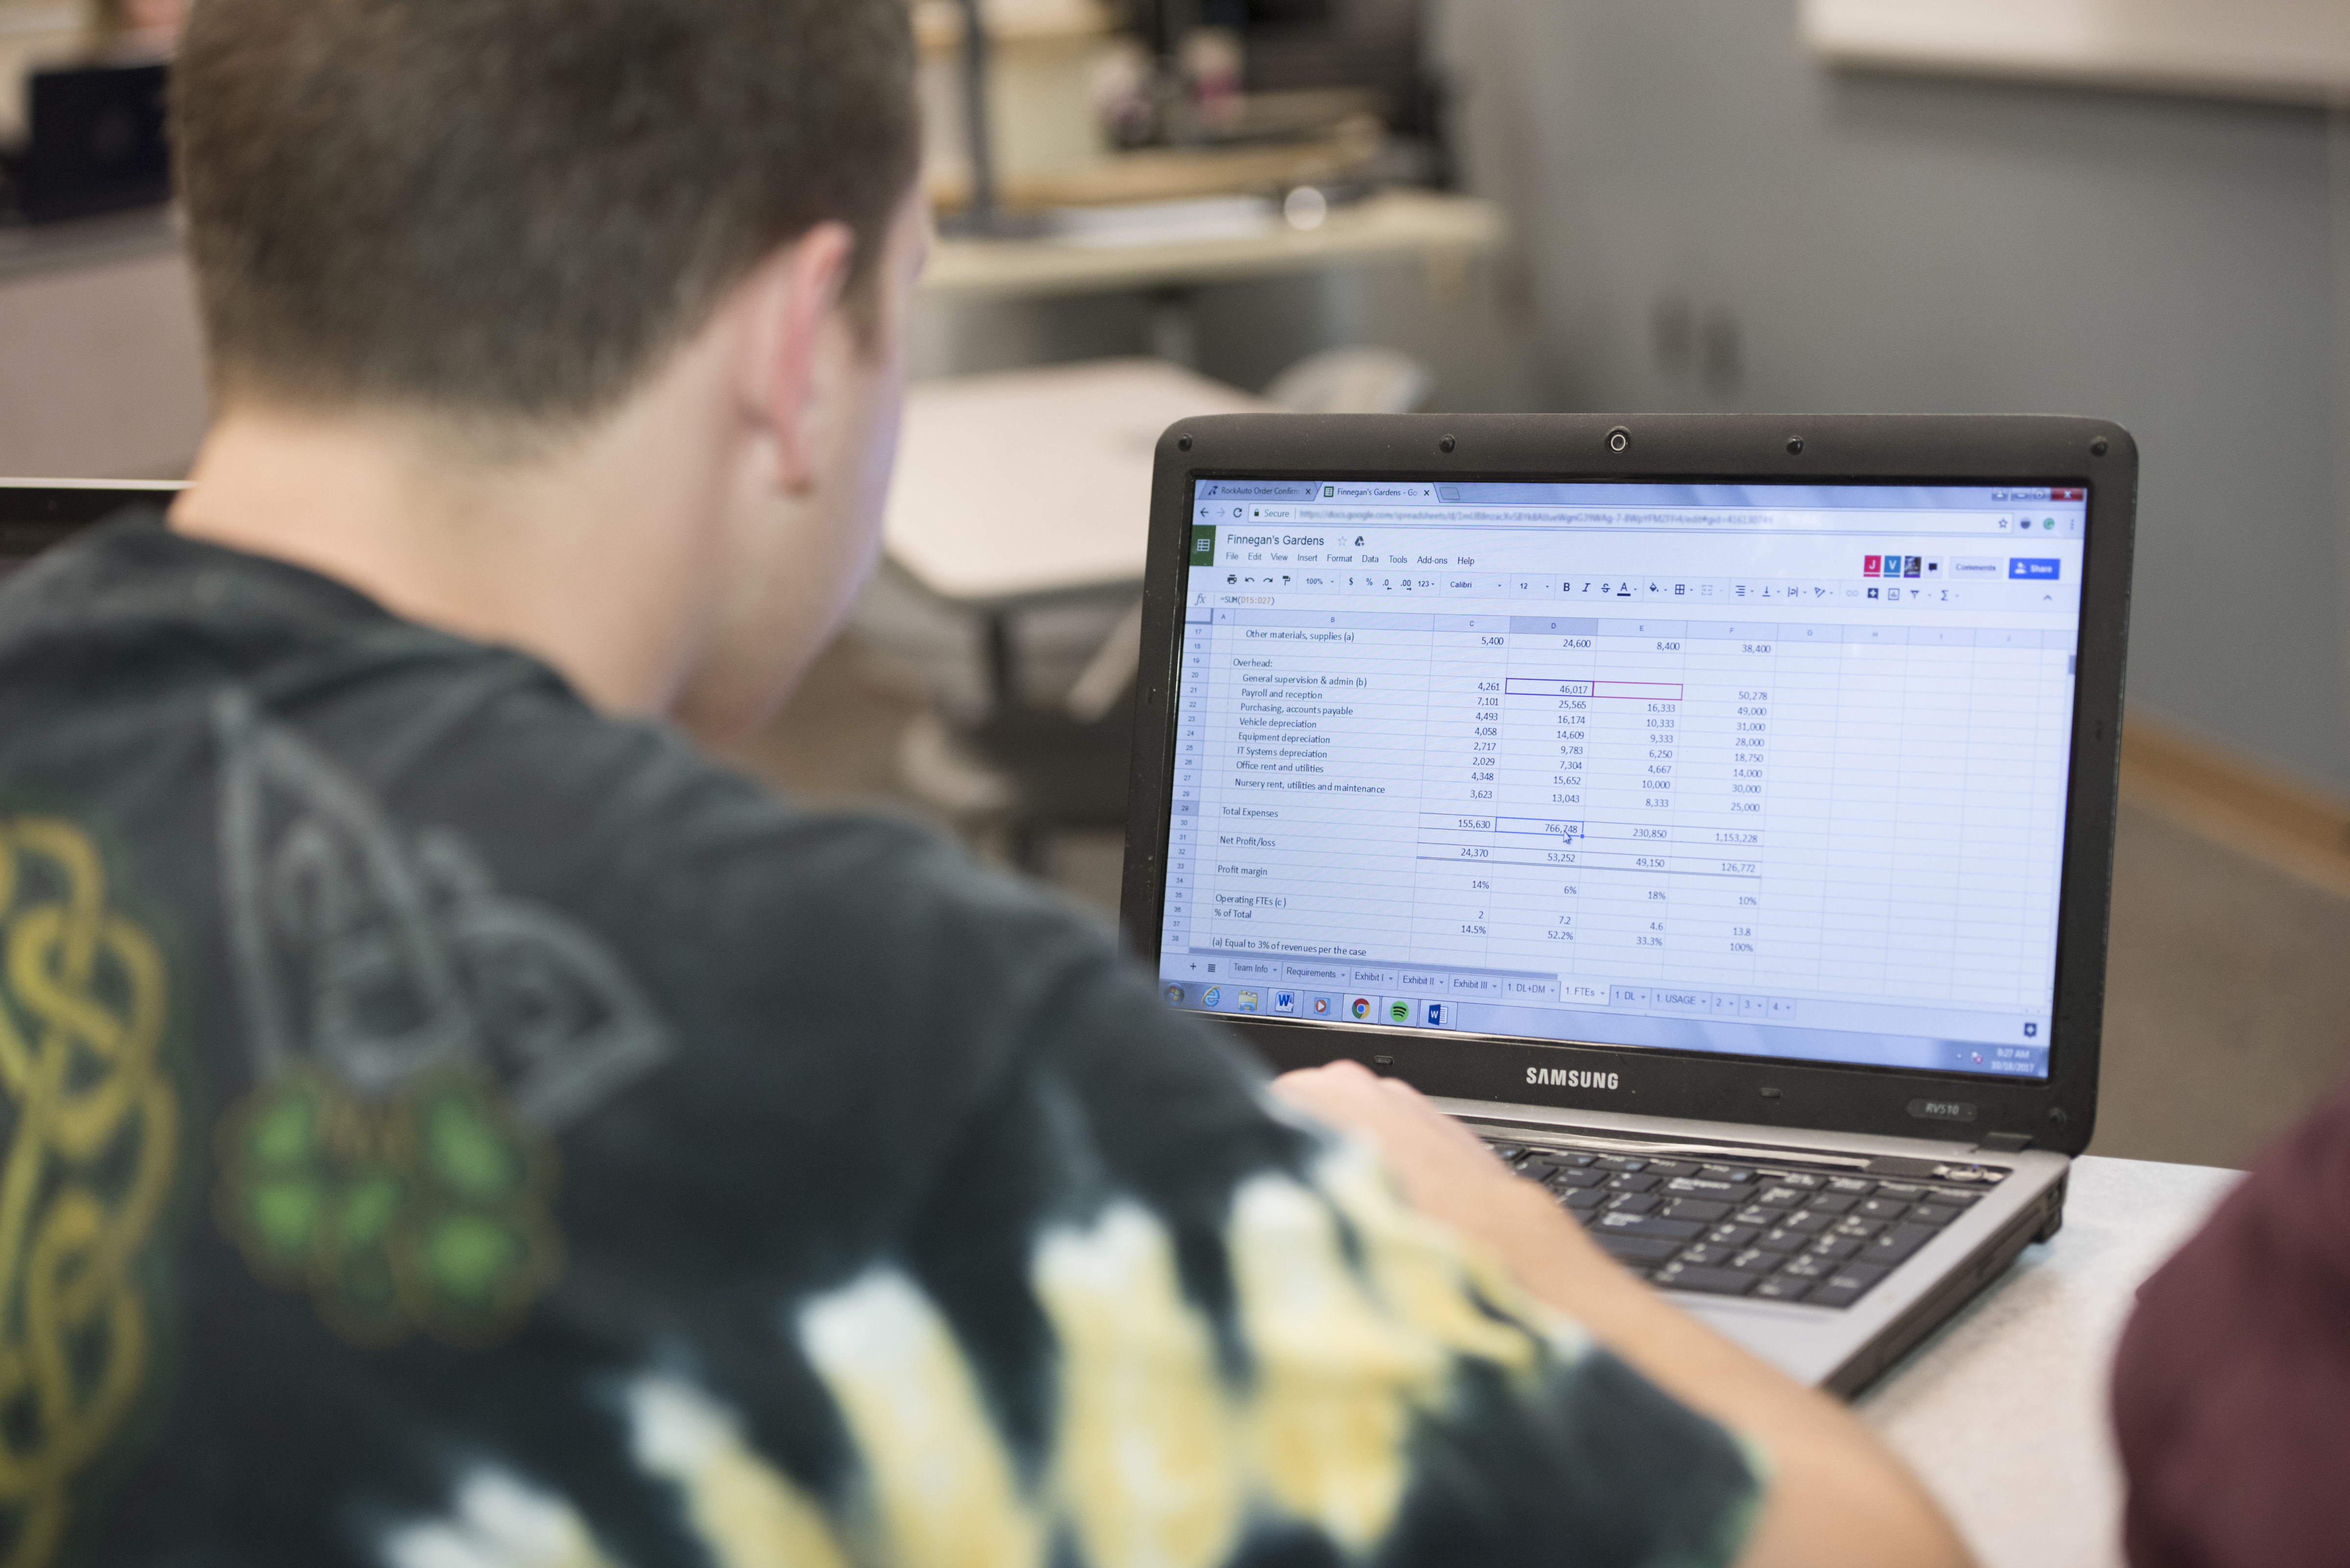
pixel 1164 207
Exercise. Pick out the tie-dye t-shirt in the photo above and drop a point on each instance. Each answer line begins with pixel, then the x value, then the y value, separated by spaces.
pixel 447 1129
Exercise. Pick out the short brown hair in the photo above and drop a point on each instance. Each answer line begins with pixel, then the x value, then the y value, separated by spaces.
pixel 515 208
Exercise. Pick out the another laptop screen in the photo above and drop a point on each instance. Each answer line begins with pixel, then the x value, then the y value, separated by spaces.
pixel 38 514
pixel 1772 771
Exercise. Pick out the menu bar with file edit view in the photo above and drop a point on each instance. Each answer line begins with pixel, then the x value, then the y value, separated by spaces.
pixel 1767 770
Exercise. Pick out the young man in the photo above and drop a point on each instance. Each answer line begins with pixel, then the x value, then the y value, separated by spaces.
pixel 454 1126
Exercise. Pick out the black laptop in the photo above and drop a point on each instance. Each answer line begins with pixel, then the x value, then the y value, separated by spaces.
pixel 1715 811
pixel 38 514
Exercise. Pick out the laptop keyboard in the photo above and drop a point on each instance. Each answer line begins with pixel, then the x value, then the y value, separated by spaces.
pixel 1776 1229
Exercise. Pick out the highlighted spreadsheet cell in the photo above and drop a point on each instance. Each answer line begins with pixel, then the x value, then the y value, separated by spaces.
pixel 1628 691
pixel 1545 826
pixel 1450 828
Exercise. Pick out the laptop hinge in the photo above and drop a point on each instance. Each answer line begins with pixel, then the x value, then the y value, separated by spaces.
pixel 2006 1142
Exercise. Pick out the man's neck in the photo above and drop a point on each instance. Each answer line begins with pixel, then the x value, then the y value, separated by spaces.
pixel 588 559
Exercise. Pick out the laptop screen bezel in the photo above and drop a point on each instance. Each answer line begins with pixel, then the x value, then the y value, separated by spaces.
pixel 2057 1113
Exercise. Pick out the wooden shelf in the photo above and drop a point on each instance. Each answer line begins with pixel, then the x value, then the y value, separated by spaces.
pixel 938 24
pixel 1394 225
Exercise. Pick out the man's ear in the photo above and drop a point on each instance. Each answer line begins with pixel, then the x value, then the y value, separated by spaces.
pixel 793 293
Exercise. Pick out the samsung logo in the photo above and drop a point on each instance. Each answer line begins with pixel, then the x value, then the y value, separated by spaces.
pixel 1569 1079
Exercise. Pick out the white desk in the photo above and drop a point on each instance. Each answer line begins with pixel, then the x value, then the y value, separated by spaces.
pixel 2004 1413
pixel 1037 481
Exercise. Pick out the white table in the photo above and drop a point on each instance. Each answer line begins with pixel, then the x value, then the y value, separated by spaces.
pixel 2004 1413
pixel 1037 481
pixel 1018 524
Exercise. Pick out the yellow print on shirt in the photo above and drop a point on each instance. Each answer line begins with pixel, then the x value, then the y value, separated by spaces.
pixel 91 1142
pixel 1356 1316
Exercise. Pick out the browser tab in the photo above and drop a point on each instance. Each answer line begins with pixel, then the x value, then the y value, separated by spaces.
pixel 1377 492
pixel 1255 490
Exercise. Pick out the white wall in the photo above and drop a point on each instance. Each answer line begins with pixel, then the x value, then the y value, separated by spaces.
pixel 1909 243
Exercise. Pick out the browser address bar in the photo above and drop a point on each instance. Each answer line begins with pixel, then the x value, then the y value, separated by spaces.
pixel 1547 518
pixel 1841 521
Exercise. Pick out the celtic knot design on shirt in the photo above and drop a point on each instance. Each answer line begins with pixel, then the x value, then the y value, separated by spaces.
pixel 416 1036
pixel 92 1142
pixel 377 955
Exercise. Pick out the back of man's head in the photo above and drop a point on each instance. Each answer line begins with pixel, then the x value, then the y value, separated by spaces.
pixel 510 211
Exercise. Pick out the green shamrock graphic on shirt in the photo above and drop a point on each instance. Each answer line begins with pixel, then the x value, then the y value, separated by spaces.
pixel 428 1210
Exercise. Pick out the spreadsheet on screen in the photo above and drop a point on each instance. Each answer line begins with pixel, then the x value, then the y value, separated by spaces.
pixel 1768 770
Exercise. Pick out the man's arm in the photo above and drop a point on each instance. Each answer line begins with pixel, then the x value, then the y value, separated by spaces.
pixel 1837 1499
pixel 1083 1246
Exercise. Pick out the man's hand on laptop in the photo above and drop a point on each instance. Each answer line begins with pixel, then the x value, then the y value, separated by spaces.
pixel 1837 1499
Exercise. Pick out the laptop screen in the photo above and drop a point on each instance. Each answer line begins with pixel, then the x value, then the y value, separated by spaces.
pixel 1763 770
pixel 38 514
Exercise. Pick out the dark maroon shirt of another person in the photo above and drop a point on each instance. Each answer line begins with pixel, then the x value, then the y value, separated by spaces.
pixel 2231 1392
